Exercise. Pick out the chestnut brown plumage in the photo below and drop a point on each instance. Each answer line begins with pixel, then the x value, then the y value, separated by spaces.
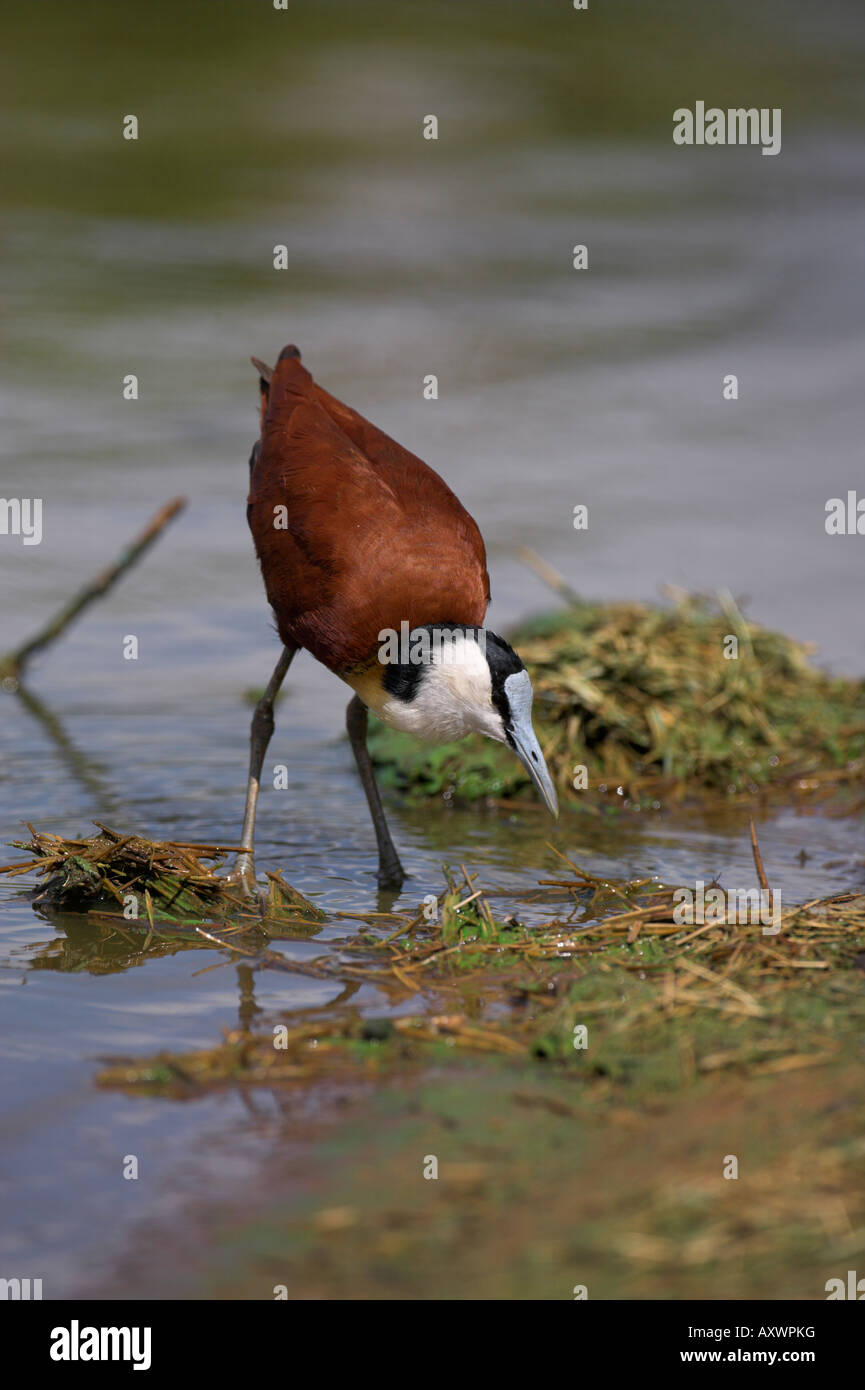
pixel 369 537
pixel 356 537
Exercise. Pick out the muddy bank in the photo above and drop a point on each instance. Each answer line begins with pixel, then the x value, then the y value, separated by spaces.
pixel 541 1190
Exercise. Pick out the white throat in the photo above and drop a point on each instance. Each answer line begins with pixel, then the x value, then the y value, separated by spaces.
pixel 453 698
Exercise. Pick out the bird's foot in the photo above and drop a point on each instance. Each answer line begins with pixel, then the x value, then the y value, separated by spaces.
pixel 242 876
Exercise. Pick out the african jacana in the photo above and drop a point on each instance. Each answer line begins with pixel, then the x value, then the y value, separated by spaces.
pixel 357 537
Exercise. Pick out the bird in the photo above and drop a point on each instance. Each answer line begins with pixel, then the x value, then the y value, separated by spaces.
pixel 372 564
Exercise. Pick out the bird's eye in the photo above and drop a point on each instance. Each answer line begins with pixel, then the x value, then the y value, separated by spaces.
pixel 534 757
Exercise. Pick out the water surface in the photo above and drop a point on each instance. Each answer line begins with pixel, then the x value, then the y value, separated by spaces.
pixel 556 388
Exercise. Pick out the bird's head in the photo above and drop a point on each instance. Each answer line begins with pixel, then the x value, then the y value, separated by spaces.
pixel 444 681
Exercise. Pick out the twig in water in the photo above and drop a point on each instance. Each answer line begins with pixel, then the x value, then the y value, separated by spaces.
pixel 12 665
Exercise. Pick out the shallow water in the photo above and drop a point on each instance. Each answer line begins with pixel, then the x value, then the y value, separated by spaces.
pixel 556 388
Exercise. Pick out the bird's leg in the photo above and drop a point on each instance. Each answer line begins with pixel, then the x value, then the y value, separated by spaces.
pixel 390 870
pixel 243 871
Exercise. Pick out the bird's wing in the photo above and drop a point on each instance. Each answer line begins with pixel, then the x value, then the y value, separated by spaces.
pixel 354 534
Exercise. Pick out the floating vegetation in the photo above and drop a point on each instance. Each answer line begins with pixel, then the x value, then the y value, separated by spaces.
pixel 681 702
pixel 663 999
pixel 147 882
pixel 628 984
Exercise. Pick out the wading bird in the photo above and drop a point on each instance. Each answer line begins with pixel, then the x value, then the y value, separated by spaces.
pixel 359 541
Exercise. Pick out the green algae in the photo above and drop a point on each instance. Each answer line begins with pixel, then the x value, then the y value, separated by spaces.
pixel 688 701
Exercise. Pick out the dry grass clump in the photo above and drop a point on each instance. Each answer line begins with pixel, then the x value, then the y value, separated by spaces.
pixel 646 700
pixel 173 881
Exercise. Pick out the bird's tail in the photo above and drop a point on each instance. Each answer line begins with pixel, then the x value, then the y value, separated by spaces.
pixel 278 384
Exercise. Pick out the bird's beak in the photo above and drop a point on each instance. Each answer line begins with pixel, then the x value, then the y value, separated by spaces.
pixel 528 750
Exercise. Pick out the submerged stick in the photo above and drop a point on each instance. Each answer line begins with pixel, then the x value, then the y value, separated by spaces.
pixel 758 865
pixel 13 663
pixel 84 769
pixel 758 859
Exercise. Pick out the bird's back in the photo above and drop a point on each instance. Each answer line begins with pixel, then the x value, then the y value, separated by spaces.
pixel 354 533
